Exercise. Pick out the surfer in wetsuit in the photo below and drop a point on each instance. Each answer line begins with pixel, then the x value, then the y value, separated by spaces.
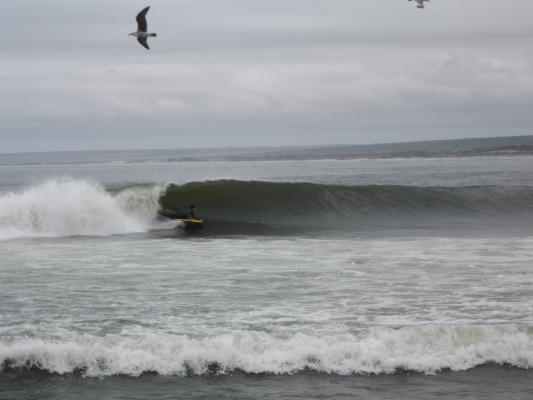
pixel 191 213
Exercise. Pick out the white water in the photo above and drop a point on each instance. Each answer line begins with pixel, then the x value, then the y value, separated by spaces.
pixel 61 208
pixel 130 304
pixel 373 351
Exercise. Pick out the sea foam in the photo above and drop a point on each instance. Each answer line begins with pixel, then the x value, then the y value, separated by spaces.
pixel 374 351
pixel 61 208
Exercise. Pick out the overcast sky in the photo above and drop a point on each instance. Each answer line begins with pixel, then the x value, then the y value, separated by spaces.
pixel 262 72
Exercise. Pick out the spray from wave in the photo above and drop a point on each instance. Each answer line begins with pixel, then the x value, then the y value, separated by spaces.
pixel 374 351
pixel 61 208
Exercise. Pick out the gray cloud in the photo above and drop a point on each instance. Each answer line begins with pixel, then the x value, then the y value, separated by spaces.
pixel 251 72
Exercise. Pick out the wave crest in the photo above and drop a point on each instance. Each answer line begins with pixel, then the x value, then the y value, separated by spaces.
pixel 317 205
pixel 374 351
pixel 62 208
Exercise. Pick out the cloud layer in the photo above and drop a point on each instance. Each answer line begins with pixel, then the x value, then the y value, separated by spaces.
pixel 235 72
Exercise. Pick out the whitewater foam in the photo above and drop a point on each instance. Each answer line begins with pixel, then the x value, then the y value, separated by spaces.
pixel 61 208
pixel 373 351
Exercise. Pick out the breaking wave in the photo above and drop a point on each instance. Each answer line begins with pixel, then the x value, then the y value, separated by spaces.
pixel 62 208
pixel 324 206
pixel 373 351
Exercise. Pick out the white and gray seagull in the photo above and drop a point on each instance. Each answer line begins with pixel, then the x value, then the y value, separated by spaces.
pixel 419 3
pixel 142 33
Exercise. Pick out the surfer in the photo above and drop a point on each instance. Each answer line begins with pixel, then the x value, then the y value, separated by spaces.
pixel 191 213
pixel 192 223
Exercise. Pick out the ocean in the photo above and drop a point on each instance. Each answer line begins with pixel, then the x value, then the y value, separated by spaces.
pixel 339 279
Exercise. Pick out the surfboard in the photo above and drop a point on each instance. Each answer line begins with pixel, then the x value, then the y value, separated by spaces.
pixel 191 225
pixel 190 221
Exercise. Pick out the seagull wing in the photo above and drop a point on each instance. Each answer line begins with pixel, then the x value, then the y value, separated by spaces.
pixel 144 43
pixel 142 25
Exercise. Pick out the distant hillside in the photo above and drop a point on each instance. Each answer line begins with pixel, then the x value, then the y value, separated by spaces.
pixel 513 145
pixel 508 146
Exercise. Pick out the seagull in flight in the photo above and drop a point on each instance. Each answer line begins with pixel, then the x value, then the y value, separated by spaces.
pixel 142 34
pixel 419 3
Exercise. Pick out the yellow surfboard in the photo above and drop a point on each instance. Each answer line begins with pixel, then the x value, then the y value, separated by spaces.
pixel 190 221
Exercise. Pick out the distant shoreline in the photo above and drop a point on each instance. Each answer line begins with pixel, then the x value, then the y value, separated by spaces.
pixel 270 160
pixel 512 146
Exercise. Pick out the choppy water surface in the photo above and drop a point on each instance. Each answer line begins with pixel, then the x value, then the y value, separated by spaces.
pixel 355 278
